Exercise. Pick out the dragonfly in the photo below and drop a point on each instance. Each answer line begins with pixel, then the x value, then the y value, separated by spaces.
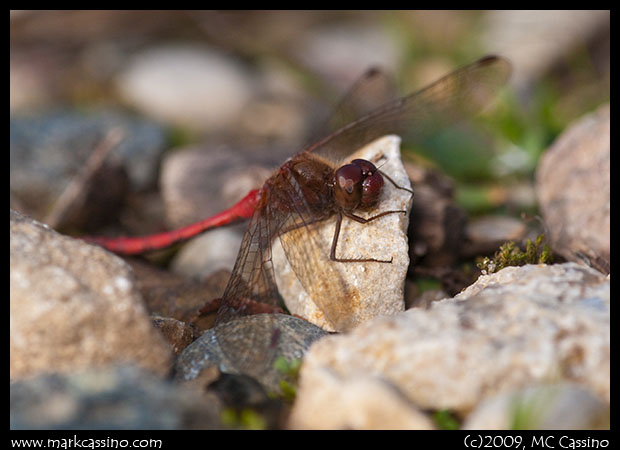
pixel 320 182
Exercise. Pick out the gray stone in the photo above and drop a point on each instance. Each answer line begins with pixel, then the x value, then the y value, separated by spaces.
pixel 74 306
pixel 47 147
pixel 49 151
pixel 574 190
pixel 113 398
pixel 215 250
pixel 486 234
pixel 250 346
pixel 190 86
pixel 523 37
pixel 352 49
pixel 198 182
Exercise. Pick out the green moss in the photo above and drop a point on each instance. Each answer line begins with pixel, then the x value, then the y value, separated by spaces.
pixel 445 420
pixel 428 284
pixel 246 419
pixel 510 254
pixel 290 372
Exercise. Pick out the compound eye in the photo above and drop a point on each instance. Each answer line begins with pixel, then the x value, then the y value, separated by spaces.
pixel 371 189
pixel 348 186
pixel 367 167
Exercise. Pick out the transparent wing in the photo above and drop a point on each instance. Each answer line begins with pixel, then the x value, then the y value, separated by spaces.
pixel 458 95
pixel 291 211
pixel 372 90
pixel 287 213
pixel 252 278
pixel 251 350
pixel 283 211
pixel 307 247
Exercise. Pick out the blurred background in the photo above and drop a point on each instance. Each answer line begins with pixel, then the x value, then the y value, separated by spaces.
pixel 208 102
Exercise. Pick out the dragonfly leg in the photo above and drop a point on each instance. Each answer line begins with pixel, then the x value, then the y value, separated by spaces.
pixel 359 219
pixel 385 175
pixel 370 219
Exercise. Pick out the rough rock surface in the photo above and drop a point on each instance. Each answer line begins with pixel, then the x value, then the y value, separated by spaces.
pixel 74 306
pixel 373 288
pixel 574 190
pixel 364 402
pixel 519 327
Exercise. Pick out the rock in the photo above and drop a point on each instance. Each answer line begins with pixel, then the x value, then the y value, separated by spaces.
pixel 48 150
pixel 179 334
pixel 574 190
pixel 189 86
pixel 524 281
pixel 486 234
pixel 362 403
pixel 112 398
pixel 519 327
pixel 416 299
pixel 74 306
pixel 352 50
pixel 174 297
pixel 370 289
pixel 52 144
pixel 522 37
pixel 29 82
pixel 249 346
pixel 277 117
pixel 545 407
pixel 215 250
pixel 437 224
pixel 239 391
pixel 198 182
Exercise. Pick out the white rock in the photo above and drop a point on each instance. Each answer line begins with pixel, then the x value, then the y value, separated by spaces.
pixel 544 407
pixel 208 253
pixel 523 37
pixel 189 86
pixel 573 185
pixel 518 327
pixel 363 403
pixel 544 284
pixel 74 306
pixel 496 228
pixel 374 288
pixel 352 50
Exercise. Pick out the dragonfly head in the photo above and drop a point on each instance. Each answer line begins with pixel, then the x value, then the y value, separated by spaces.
pixel 357 185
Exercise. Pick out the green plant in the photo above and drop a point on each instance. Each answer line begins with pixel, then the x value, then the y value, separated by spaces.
pixel 290 372
pixel 445 420
pixel 509 254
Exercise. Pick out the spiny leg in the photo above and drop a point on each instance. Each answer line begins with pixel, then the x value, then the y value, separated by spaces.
pixel 394 183
pixel 359 219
